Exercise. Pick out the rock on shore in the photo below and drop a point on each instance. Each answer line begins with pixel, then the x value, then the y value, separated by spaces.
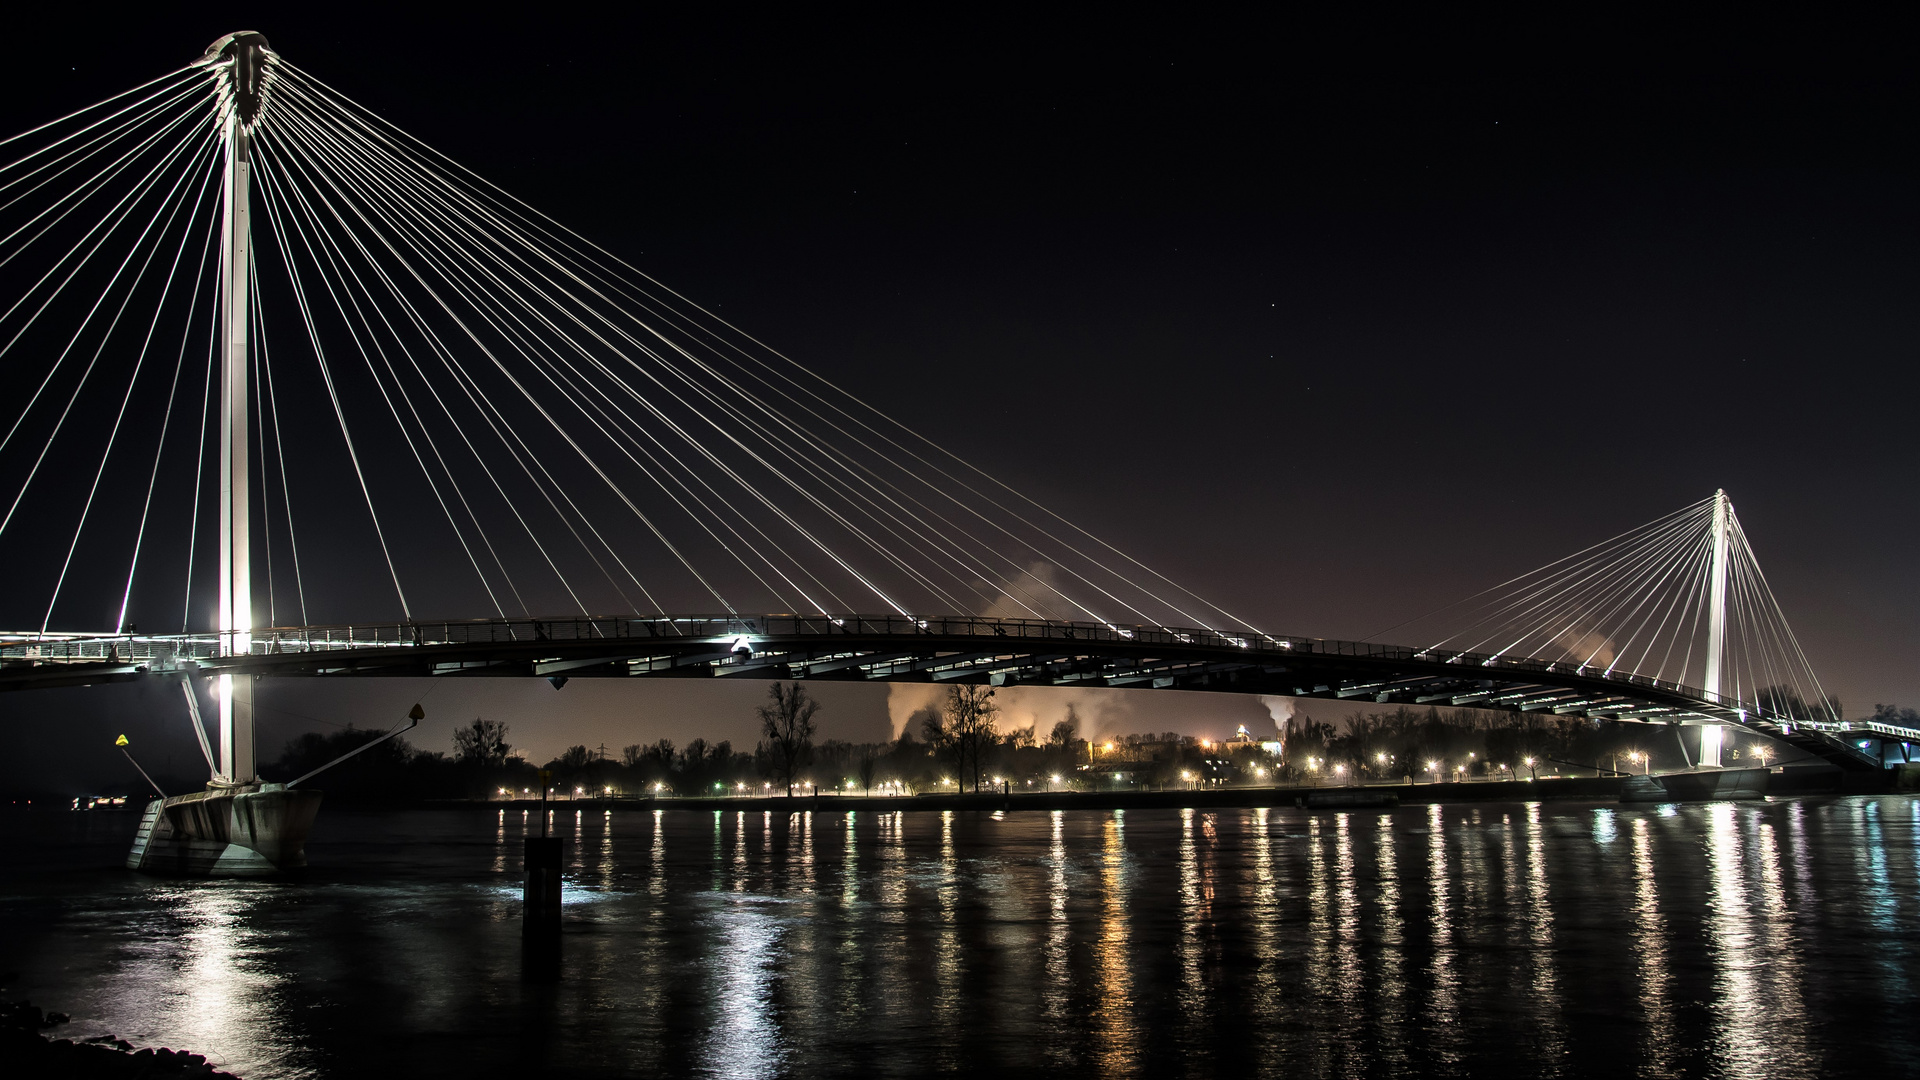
pixel 30 1054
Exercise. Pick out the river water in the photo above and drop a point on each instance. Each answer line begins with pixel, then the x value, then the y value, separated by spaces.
pixel 1773 940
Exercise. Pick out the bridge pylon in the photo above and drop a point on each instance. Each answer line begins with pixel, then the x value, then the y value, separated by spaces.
pixel 241 61
pixel 1713 736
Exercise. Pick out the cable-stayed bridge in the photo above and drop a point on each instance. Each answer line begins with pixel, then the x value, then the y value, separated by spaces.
pixel 287 380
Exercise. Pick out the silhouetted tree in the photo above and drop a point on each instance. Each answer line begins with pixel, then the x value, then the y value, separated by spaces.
pixel 944 742
pixel 1062 735
pixel 787 722
pixel 1889 714
pixel 967 720
pixel 380 772
pixel 1781 702
pixel 483 742
pixel 694 757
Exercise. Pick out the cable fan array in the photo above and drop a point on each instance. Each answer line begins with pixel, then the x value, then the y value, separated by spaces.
pixel 1642 603
pixel 461 404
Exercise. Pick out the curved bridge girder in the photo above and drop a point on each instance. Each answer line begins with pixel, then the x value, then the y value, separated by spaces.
pixel 1002 652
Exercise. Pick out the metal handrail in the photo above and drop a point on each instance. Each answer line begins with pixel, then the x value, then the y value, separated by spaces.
pixel 135 648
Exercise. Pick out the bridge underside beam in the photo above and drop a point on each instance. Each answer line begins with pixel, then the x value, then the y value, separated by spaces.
pixel 881 649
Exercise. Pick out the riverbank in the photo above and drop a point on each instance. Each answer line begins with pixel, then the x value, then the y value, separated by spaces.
pixel 31 1051
pixel 1585 788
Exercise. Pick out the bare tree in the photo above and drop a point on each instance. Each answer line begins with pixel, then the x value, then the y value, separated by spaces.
pixel 1063 732
pixel 944 742
pixel 867 766
pixel 787 722
pixel 694 756
pixel 633 755
pixel 483 742
pixel 968 721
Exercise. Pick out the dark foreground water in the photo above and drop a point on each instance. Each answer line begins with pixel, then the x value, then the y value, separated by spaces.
pixel 1774 940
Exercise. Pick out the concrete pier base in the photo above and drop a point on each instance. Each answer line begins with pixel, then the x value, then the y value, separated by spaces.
pixel 1706 785
pixel 247 831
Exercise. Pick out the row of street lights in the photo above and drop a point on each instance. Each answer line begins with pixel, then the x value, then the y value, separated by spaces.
pixel 1314 767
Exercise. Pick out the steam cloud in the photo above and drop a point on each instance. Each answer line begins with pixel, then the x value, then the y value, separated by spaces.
pixel 1101 712
pixel 1280 708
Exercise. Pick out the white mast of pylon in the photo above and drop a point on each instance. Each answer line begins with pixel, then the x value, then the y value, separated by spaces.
pixel 1712 735
pixel 241 62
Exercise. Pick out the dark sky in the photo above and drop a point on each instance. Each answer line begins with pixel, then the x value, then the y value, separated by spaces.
pixel 1338 323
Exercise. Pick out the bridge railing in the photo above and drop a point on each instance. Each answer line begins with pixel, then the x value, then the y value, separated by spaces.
pixel 167 650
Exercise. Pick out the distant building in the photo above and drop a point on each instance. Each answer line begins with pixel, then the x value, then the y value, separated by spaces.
pixel 1244 740
pixel 1108 773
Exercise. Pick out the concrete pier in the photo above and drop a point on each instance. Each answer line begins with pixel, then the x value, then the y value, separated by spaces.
pixel 247 831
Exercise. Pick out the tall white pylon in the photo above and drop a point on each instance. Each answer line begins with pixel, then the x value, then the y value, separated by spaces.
pixel 240 62
pixel 1713 735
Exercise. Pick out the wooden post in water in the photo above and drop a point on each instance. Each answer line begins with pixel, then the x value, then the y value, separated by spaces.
pixel 541 915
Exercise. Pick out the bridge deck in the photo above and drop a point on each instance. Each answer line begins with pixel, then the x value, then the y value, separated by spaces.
pixel 1003 652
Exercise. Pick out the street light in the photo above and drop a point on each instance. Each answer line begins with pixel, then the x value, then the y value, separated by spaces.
pixel 1531 775
pixel 1341 772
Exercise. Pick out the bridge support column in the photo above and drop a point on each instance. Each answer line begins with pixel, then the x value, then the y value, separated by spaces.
pixel 1712 738
pixel 238 763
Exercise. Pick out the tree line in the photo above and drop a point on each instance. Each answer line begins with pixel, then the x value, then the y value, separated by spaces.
pixel 959 745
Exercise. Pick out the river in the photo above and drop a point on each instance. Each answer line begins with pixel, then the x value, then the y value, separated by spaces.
pixel 1766 940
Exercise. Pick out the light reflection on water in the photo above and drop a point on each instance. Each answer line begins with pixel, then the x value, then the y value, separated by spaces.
pixel 744 1042
pixel 1729 940
pixel 1542 958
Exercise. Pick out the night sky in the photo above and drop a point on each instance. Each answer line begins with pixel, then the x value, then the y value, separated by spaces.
pixel 1336 323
